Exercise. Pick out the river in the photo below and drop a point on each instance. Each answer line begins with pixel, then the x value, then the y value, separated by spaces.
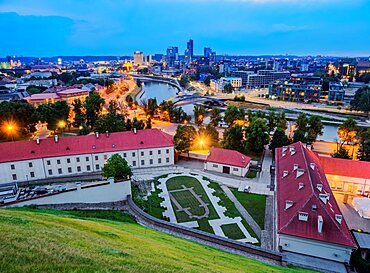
pixel 164 91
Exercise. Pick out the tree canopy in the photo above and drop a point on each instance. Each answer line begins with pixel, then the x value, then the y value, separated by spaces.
pixel 361 100
pixel 116 167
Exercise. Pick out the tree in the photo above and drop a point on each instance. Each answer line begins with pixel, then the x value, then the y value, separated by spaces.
pixel 109 123
pixel 148 124
pixel 364 146
pixel 215 116
pixel 281 121
pixel 150 107
pixel 184 81
pixel 315 129
pixel 138 125
pixel 80 118
pixel 167 109
pixel 93 105
pixel 272 121
pixel 32 89
pixel 179 115
pixel 234 139
pixel 209 135
pixel 347 131
pixel 301 128
pixel 279 139
pixel 257 135
pixel 233 113
pixel 117 168
pixel 199 112
pixel 53 114
pixel 341 153
pixel 361 100
pixel 207 81
pixel 228 88
pixel 184 137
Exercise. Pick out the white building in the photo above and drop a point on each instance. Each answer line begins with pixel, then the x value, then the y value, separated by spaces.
pixel 309 221
pixel 138 57
pixel 218 85
pixel 73 156
pixel 227 161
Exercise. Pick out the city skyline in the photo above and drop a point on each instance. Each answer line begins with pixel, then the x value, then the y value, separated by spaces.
pixel 234 27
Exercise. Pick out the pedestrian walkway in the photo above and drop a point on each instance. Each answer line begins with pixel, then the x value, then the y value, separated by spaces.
pixel 256 228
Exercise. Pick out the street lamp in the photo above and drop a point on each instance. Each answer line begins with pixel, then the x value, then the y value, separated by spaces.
pixel 61 125
pixel 10 128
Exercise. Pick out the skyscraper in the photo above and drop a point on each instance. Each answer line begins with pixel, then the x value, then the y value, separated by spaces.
pixel 138 57
pixel 207 52
pixel 189 52
pixel 172 55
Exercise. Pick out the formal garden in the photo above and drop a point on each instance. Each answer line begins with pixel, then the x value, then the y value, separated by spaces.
pixel 195 201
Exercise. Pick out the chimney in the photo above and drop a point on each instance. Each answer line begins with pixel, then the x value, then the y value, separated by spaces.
pixel 97 134
pixel 320 223
pixel 56 138
pixel 107 133
pixel 37 140
pixel 135 130
pixel 338 218
pixel 288 204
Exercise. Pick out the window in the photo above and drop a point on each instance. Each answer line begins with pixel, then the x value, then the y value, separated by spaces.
pixel 133 154
pixel 14 176
pixel 235 169
pixel 167 151
pixel 151 161
pixel 87 158
pixel 78 168
pixel 88 167
pixel 124 155
pixel 215 166
pixel 167 159
pixel 159 160
pixel 48 162
pixel 142 163
pixel 50 172
pixel 150 152
pixel 96 157
pixel 77 159
pixel 134 163
pixel 105 157
pixel 97 166
pixel 159 152
pixel 12 167
pixel 68 160
pixel 142 153
pixel 32 174
pixel 60 171
pixel 69 169
pixel 58 161
pixel 30 164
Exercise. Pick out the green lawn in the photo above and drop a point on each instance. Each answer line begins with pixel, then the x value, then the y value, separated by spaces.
pixel 255 204
pixel 232 231
pixel 187 199
pixel 55 241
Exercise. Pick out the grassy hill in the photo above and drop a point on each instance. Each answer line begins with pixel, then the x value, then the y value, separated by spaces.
pixel 57 241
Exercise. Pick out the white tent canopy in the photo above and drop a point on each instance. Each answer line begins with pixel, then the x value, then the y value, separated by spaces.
pixel 362 206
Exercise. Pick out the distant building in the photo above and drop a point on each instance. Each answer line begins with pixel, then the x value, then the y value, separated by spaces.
pixel 309 220
pixel 172 55
pixel 261 79
pixel 347 67
pixel 336 92
pixel 138 58
pixel 189 52
pixel 218 85
pixel 68 95
pixel 227 161
pixel 363 67
pixel 299 88
pixel 78 155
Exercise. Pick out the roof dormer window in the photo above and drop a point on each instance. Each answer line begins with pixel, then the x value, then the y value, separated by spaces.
pixel 303 216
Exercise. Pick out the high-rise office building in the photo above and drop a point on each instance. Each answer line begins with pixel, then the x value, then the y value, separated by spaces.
pixel 172 55
pixel 138 57
pixel 189 52
pixel 211 55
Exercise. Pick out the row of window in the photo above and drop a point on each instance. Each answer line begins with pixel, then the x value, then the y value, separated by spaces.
pixel 48 162
pixel 234 169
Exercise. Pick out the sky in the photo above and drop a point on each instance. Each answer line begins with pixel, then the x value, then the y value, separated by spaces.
pixel 236 27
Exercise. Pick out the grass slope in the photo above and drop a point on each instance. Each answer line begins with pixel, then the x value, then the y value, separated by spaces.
pixel 54 241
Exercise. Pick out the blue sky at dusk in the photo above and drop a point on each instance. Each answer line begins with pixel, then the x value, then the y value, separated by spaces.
pixel 243 27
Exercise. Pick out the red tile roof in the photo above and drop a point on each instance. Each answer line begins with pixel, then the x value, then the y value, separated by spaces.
pixel 228 157
pixel 345 167
pixel 74 145
pixel 304 199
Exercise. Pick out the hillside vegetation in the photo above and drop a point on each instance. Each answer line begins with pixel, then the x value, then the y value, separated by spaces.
pixel 56 241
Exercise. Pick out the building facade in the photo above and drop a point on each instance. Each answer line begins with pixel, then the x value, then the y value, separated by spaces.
pixel 261 79
pixel 309 221
pixel 138 58
pixel 72 156
pixel 227 161
pixel 298 88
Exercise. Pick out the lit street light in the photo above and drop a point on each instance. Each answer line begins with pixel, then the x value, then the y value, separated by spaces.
pixel 10 128
pixel 61 125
